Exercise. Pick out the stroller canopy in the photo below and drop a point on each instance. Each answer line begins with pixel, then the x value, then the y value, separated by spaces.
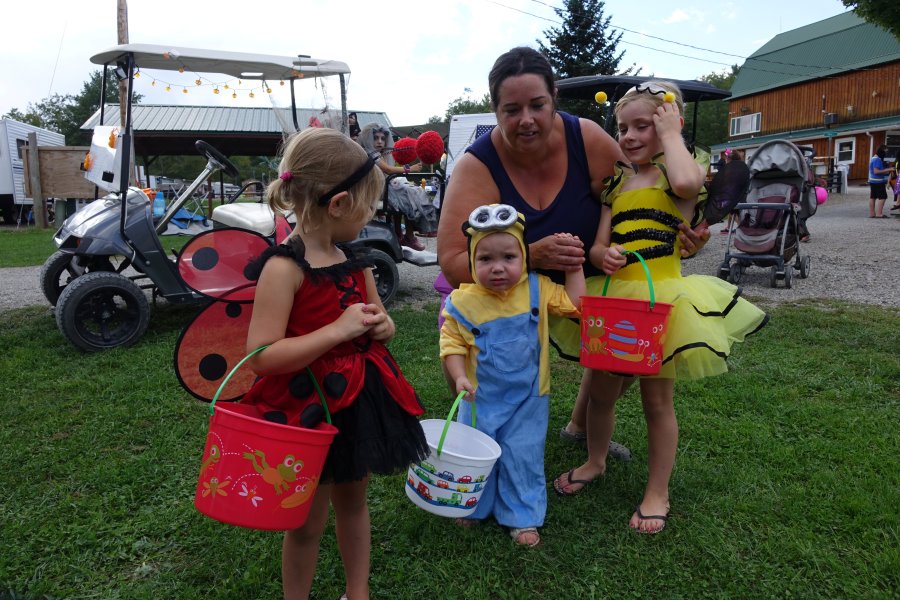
pixel 780 158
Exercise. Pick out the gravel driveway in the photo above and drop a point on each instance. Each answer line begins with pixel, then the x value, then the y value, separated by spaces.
pixel 853 258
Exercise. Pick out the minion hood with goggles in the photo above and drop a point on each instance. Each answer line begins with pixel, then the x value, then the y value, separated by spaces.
pixel 494 218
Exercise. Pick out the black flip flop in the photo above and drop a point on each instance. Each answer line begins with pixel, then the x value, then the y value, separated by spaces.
pixel 562 492
pixel 664 518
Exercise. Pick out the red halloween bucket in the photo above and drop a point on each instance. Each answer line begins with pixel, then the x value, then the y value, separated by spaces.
pixel 256 473
pixel 623 335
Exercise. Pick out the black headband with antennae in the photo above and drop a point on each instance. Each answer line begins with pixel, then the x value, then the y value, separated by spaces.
pixel 348 183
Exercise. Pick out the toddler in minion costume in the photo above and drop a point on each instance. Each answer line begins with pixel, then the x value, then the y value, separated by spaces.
pixel 495 347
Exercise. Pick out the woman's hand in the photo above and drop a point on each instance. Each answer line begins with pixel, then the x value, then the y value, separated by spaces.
pixel 692 239
pixel 614 259
pixel 560 252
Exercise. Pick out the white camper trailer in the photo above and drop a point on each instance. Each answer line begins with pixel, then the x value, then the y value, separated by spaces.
pixel 464 129
pixel 13 137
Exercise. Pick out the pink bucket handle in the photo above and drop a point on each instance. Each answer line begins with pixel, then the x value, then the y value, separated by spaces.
pixel 212 405
pixel 646 273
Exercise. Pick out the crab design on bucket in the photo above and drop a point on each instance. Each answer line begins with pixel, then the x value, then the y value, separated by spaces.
pixel 594 330
pixel 281 476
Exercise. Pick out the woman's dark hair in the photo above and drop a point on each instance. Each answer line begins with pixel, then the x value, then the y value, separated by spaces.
pixel 520 61
pixel 881 152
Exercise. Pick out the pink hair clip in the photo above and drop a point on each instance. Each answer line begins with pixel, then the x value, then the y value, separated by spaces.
pixel 286 176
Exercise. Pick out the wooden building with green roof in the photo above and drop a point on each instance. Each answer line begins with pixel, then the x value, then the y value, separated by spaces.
pixel 833 85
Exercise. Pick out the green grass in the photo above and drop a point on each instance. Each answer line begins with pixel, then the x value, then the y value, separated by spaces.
pixel 786 482
pixel 30 246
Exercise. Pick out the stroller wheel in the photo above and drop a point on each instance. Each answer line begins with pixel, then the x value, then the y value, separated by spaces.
pixel 804 267
pixel 723 271
pixel 773 277
pixel 788 276
pixel 737 273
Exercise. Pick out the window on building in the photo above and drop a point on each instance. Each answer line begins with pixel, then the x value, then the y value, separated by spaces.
pixel 746 124
pixel 845 151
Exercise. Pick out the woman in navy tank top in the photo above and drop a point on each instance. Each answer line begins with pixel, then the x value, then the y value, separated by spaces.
pixel 550 166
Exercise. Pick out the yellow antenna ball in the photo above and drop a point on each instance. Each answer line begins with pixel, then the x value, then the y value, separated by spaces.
pixel 600 97
pixel 669 97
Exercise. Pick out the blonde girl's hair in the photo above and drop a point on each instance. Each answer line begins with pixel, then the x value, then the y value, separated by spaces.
pixel 316 163
pixel 652 92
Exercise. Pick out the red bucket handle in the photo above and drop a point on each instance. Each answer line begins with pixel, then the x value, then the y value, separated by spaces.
pixel 646 272
pixel 212 405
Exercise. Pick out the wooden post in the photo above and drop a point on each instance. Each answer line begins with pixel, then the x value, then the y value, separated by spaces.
pixel 34 175
pixel 122 28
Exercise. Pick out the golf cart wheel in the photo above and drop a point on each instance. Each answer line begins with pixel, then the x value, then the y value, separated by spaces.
pixel 804 267
pixel 737 272
pixel 773 277
pixel 788 276
pixel 387 277
pixel 99 311
pixel 58 272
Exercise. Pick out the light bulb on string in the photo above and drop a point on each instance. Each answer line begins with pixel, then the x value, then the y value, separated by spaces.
pixel 240 82
pixel 215 90
pixel 153 83
pixel 251 95
pixel 137 74
pixel 184 90
pixel 168 88
pixel 181 69
pixel 226 86
pixel 234 94
pixel 198 82
pixel 281 82
pixel 268 90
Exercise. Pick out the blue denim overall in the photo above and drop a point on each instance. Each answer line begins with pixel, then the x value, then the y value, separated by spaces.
pixel 512 411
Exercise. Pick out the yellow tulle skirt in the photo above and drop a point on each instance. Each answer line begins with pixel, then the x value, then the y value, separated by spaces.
pixel 707 318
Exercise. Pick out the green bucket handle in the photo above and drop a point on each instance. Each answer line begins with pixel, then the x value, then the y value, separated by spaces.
pixel 450 418
pixel 646 272
pixel 212 405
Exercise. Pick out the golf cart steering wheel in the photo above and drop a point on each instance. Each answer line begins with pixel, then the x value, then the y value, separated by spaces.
pixel 217 157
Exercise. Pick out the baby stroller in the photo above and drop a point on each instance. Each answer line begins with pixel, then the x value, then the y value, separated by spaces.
pixel 771 219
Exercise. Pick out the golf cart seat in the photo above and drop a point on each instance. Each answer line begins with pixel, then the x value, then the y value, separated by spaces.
pixel 254 216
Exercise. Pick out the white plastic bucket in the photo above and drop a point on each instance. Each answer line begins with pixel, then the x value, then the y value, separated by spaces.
pixel 450 481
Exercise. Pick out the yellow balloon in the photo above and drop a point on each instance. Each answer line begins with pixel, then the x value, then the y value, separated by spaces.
pixel 600 97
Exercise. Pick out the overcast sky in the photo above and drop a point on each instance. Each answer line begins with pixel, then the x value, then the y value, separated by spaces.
pixel 408 59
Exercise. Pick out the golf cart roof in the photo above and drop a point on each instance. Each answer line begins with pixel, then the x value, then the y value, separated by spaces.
pixel 242 65
pixel 615 87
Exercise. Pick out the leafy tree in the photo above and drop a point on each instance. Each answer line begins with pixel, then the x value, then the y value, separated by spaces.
pixel 884 13
pixel 66 113
pixel 467 106
pixel 712 115
pixel 582 45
